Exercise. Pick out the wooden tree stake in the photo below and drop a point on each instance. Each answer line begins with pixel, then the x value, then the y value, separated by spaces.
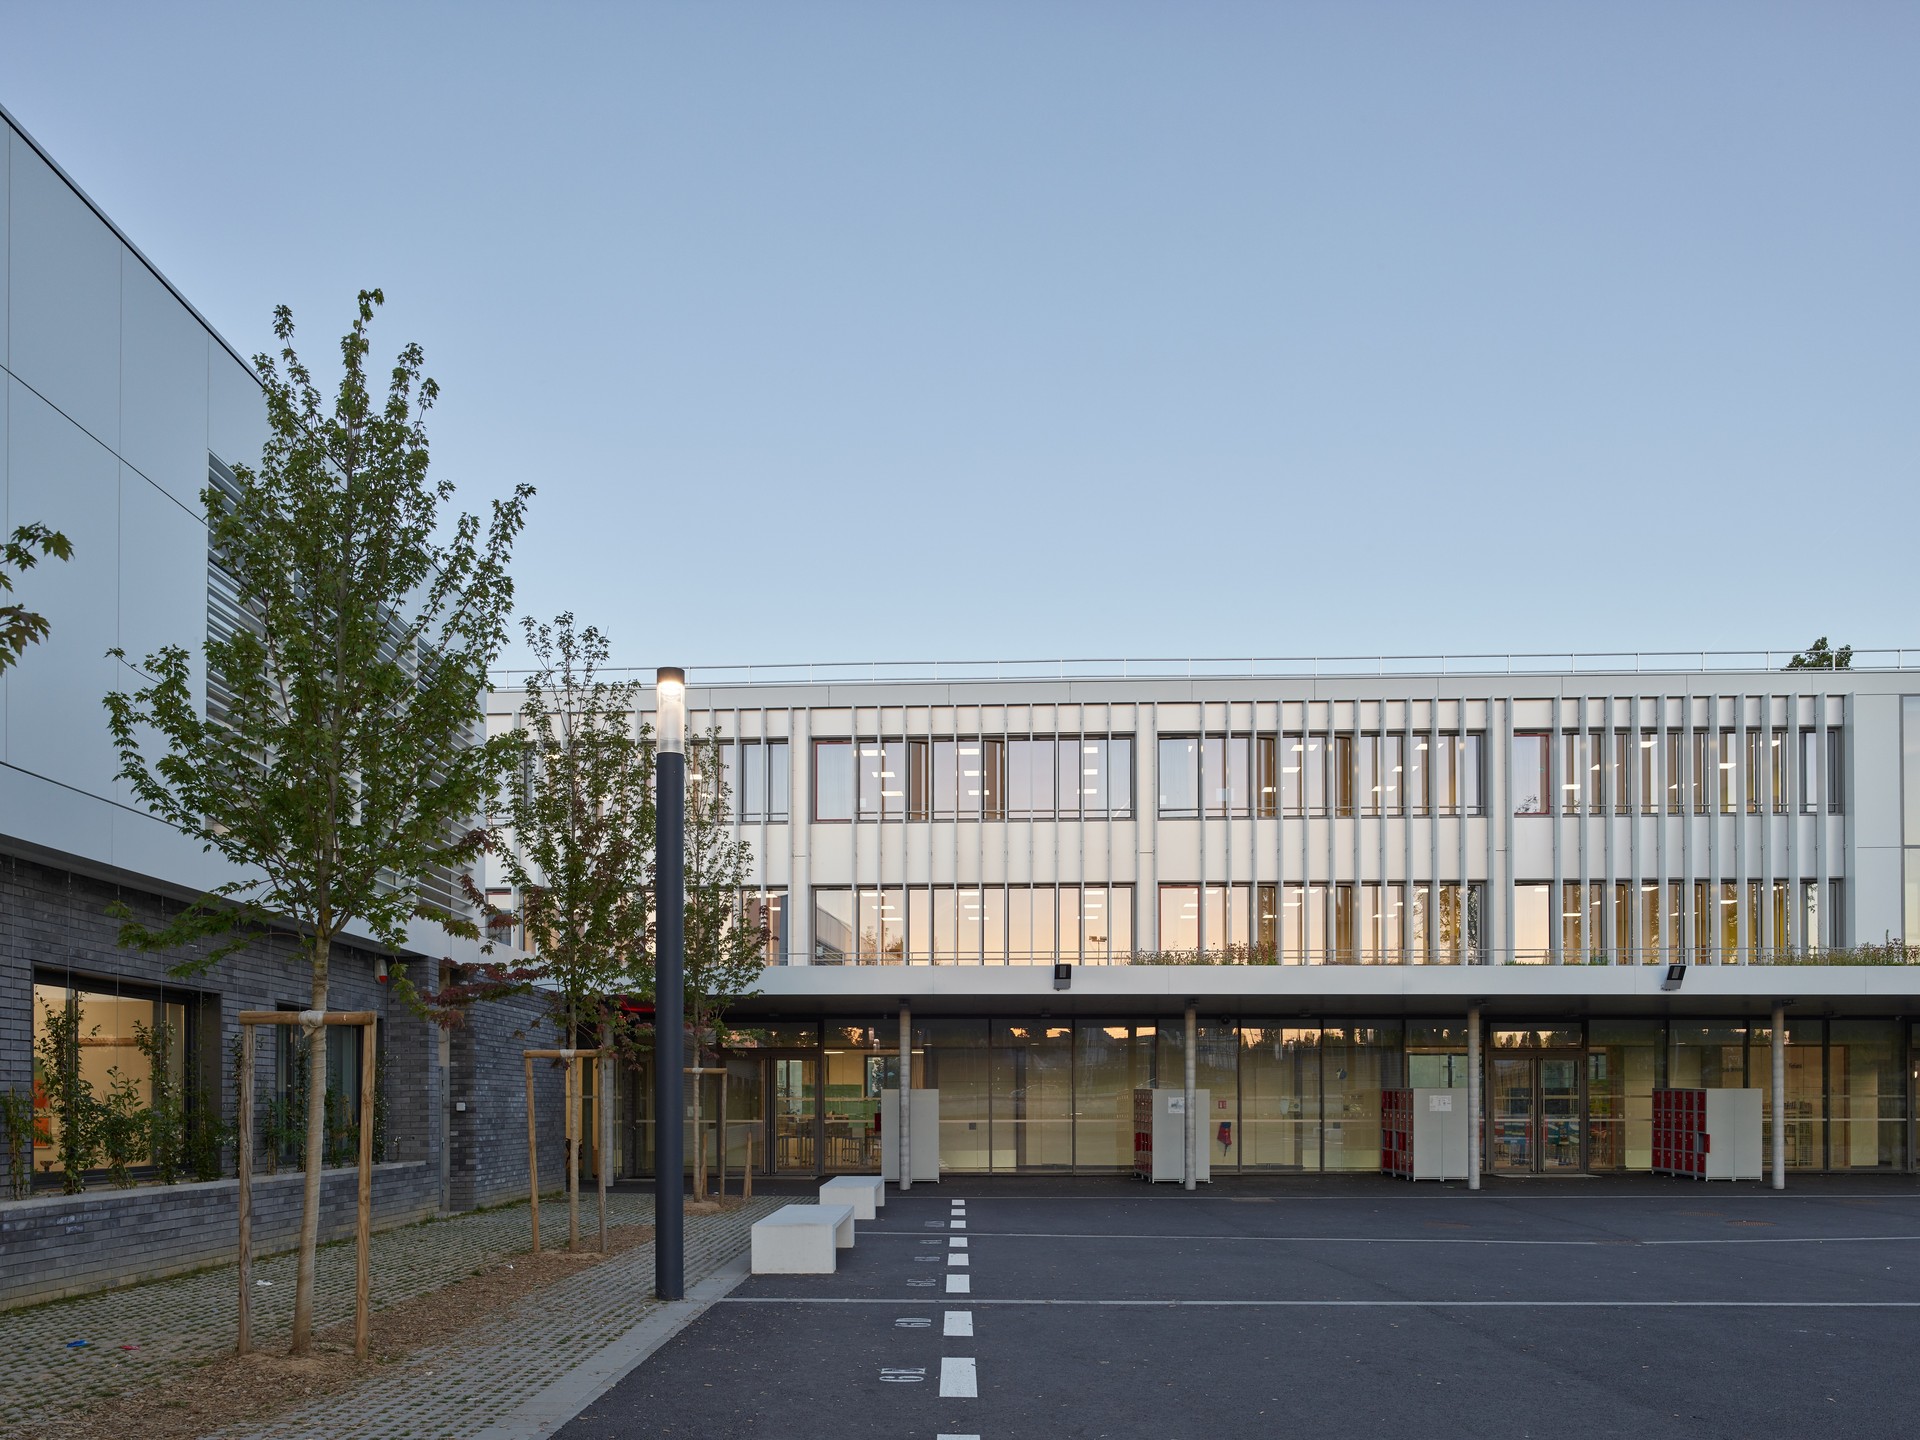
pixel 243 1345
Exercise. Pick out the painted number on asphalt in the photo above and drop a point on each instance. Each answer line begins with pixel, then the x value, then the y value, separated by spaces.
pixel 903 1377
pixel 912 1322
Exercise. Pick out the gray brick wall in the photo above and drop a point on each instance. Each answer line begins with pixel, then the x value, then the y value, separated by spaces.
pixel 58 1245
pixel 488 1145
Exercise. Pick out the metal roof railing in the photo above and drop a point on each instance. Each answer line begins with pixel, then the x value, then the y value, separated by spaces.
pixel 1607 662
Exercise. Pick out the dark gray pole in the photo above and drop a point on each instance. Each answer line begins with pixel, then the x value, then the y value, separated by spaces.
pixel 669 1001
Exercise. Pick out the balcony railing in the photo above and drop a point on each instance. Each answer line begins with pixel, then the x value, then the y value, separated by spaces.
pixel 1560 662
pixel 1891 953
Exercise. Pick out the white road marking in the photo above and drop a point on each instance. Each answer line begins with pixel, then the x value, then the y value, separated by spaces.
pixel 954 1258
pixel 959 1322
pixel 1625 1240
pixel 957 1242
pixel 958 1378
pixel 903 1376
pixel 956 1224
pixel 956 1437
pixel 959 1284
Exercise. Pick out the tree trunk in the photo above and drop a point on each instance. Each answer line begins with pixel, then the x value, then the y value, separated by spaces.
pixel 316 1156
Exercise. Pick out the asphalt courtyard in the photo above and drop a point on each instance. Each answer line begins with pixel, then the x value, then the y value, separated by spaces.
pixel 1553 1309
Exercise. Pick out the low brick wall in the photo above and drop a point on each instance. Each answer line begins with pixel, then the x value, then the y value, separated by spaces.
pixel 59 1245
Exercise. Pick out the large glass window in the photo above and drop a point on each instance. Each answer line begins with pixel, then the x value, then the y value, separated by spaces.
pixel 1367 762
pixel 1671 752
pixel 1866 1096
pixel 1357 1062
pixel 1753 769
pixel 1266 776
pixel 108 1048
pixel 1313 769
pixel 1033 1096
pixel 1727 781
pixel 833 780
pixel 1532 923
pixel 1341 763
pixel 1180 917
pixel 1280 1097
pixel 834 937
pixel 1180 777
pixel 1531 786
pixel 1576 769
pixel 1030 783
pixel 1414 788
pixel 759 781
pixel 1820 775
pixel 1623 1059
pixel 994 925
pixel 768 909
pixel 1580 924
pixel 1703 771
pixel 1110 1062
pixel 1392 774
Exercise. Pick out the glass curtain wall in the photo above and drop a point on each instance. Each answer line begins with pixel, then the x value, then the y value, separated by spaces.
pixel 1217 1071
pixel 1110 1062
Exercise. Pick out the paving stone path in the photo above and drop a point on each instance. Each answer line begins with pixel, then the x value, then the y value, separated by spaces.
pixel 174 1323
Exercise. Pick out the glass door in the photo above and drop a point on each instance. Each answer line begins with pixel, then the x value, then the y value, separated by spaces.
pixel 1561 1113
pixel 1512 1085
pixel 1538 1114
pixel 796 1115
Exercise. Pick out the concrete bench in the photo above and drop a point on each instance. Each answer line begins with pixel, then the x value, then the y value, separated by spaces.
pixel 866 1193
pixel 801 1239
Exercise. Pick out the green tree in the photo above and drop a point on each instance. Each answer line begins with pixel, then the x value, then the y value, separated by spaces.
pixel 582 820
pixel 1821 656
pixel 725 951
pixel 19 626
pixel 342 766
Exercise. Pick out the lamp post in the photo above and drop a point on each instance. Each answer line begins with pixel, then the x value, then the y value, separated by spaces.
pixel 669 998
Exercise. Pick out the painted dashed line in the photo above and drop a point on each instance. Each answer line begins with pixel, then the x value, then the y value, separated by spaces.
pixel 956 1224
pixel 958 1322
pixel 958 1378
pixel 959 1284
pixel 958 1242
pixel 944 1436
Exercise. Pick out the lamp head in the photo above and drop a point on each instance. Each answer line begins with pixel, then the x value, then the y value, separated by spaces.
pixel 670 709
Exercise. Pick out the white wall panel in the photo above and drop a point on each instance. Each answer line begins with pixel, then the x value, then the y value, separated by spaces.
pixel 62 477
pixel 63 311
pixel 236 409
pixel 163 571
pixel 163 385
pixel 7 141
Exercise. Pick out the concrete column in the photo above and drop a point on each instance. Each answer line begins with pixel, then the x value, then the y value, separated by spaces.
pixel 1187 1164
pixel 1473 1098
pixel 1779 1096
pixel 905 1138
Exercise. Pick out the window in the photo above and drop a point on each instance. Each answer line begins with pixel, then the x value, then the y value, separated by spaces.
pixel 1726 769
pixel 993 778
pixel 833 782
pixel 1457 925
pixel 1620 780
pixel 995 924
pixel 1777 748
pixel 1530 778
pixel 1340 758
pixel 1266 776
pixel 1575 769
pixel 1753 771
pixel 1456 776
pixel 1910 817
pixel 763 781
pixel 1672 755
pixel 1652 785
pixel 1703 771
pixel 1180 777
pixel 1414 791
pixel 1532 933
pixel 883 779
pixel 1367 763
pixel 289 1097
pixel 768 908
pixel 108 1044
pixel 1030 785
pixel 1581 935
pixel 1392 767
pixel 1820 782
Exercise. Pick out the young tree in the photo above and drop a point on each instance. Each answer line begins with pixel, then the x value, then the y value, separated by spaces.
pixel 1821 656
pixel 725 951
pixel 582 817
pixel 19 626
pixel 343 763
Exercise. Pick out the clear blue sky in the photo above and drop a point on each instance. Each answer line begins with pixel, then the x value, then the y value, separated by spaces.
pixel 1021 329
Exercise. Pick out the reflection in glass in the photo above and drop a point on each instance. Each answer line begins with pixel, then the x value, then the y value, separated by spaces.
pixel 832 780
pixel 1110 1062
pixel 1033 1097
pixel 1180 778
pixel 1280 1098
pixel 1532 925
pixel 1530 775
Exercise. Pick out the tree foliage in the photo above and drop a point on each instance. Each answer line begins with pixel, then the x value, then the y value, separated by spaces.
pixel 344 765
pixel 1821 656
pixel 19 626
pixel 581 814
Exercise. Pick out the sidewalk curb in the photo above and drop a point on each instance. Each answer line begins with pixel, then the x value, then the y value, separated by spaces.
pixel 548 1410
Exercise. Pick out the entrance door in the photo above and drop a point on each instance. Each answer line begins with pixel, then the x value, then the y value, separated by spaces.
pixel 1537 1114
pixel 796 1115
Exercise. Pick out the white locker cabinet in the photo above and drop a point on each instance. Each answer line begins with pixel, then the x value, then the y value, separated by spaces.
pixel 1708 1134
pixel 1425 1134
pixel 925 1139
pixel 1160 1135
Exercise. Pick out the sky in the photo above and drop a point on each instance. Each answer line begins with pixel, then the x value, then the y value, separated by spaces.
pixel 910 331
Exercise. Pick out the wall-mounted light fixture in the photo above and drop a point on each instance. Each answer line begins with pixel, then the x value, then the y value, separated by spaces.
pixel 1676 976
pixel 1063 977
